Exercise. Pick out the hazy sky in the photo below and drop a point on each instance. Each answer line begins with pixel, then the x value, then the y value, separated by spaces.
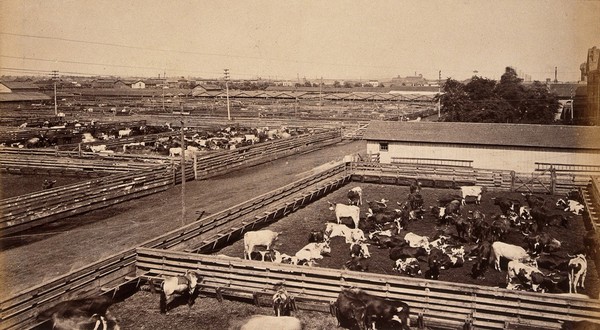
pixel 285 39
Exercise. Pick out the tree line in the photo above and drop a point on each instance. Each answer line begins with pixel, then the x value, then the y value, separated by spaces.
pixel 490 101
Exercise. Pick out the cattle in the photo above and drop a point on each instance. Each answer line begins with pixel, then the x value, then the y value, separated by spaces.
pixel 408 266
pixel 415 201
pixel 173 152
pixel 520 275
pixel 445 199
pixel 316 236
pixel 415 187
pixel 481 231
pixel 388 242
pixel 439 259
pixel 403 252
pixel 471 191
pixel 341 230
pixel 87 137
pixel 543 218
pixel 574 195
pixel 569 205
pixel 553 262
pixel 359 264
pixel 260 322
pixel 463 228
pixel 506 204
pixel 542 243
pixel 577 268
pixel 134 144
pixel 86 313
pixel 415 240
pixel 48 184
pixel 377 206
pixel 483 252
pixel 350 311
pixel 508 251
pixel 313 251
pixel 355 196
pixel 253 239
pixel 124 132
pixel 379 312
pixel 98 148
pixel 499 228
pixel 534 201
pixel 360 250
pixel 345 211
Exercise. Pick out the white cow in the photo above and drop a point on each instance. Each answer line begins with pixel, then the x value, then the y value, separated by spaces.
pixel 345 211
pixel 519 272
pixel 175 152
pixel 415 241
pixel 577 270
pixel 474 191
pixel 253 239
pixel 570 205
pixel 313 251
pixel 87 137
pixel 508 251
pixel 124 132
pixel 360 250
pixel 98 148
pixel 133 144
pixel 409 266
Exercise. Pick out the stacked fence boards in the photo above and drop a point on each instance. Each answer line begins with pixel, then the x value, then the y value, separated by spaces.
pixel 119 143
pixel 26 211
pixel 440 302
pixel 64 166
pixel 18 311
pixel 550 182
pixel 5 152
pixel 224 162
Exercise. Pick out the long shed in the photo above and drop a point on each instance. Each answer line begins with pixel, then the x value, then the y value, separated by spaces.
pixel 517 147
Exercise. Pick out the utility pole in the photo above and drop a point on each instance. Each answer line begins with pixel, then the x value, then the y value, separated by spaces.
pixel 439 94
pixel 182 176
pixel 226 71
pixel 163 89
pixel 55 78
pixel 320 91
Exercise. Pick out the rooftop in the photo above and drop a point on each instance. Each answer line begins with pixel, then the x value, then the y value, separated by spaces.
pixel 523 135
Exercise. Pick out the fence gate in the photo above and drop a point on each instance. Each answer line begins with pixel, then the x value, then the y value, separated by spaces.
pixel 538 182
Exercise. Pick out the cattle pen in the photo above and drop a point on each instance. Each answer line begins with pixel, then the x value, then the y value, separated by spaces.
pixel 441 302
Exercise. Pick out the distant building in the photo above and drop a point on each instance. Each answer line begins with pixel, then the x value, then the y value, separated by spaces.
pixel 139 84
pixel 590 71
pixel 13 92
pixel 409 81
pixel 154 83
pixel 374 83
pixel 109 83
pixel 199 89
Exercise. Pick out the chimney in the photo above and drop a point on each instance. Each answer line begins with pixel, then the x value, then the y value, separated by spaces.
pixel 555 74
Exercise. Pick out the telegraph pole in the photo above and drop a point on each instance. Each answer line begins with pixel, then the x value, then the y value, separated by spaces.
pixel 182 176
pixel 226 71
pixel 55 78
pixel 439 94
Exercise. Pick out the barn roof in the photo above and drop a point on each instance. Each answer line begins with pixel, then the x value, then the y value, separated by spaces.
pixel 23 97
pixel 516 135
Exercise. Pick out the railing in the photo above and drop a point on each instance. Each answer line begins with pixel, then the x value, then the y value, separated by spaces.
pixel 432 161
pixel 570 168
pixel 438 301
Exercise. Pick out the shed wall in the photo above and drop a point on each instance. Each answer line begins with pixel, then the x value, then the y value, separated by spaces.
pixel 511 158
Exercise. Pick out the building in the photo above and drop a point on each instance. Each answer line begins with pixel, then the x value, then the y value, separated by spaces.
pixel 138 84
pixel 109 83
pixel 20 93
pixel 590 72
pixel 409 81
pixel 483 145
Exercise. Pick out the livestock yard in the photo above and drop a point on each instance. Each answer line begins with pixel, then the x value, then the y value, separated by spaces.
pixel 124 206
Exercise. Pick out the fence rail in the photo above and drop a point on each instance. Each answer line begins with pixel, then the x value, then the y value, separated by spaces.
pixel 452 303
pixel 18 311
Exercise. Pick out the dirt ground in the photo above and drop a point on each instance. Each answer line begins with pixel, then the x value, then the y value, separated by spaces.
pixel 12 185
pixel 40 255
pixel 63 246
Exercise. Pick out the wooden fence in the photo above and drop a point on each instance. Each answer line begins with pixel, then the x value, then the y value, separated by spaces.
pixel 443 176
pixel 26 211
pixel 87 155
pixel 111 273
pixel 438 301
pixel 118 143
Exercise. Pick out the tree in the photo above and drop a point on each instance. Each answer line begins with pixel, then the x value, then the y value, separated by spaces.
pixel 506 101
pixel 347 84
pixel 307 84
pixel 337 84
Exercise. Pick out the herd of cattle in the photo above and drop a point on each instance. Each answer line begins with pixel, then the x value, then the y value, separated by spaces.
pixel 538 264
pixel 105 140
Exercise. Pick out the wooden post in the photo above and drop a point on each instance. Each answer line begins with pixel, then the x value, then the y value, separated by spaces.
pixel 79 149
pixel 182 176
pixel 552 180
pixel 512 181
pixel 195 166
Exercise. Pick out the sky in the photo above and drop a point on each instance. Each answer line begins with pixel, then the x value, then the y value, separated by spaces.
pixel 332 39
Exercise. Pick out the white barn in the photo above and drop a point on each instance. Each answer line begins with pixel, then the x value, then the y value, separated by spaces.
pixel 515 147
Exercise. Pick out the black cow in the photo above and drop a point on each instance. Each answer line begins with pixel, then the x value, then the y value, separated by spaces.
pixel 463 228
pixel 553 261
pixel 507 204
pixel 542 217
pixel 482 252
pixel 316 236
pixel 350 311
pixel 445 199
pixel 534 201
pixel 81 313
pixel 542 243
pixel 403 252
pixel 359 264
pixel 380 313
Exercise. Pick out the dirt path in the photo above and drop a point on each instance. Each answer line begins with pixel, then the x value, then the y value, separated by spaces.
pixel 38 256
